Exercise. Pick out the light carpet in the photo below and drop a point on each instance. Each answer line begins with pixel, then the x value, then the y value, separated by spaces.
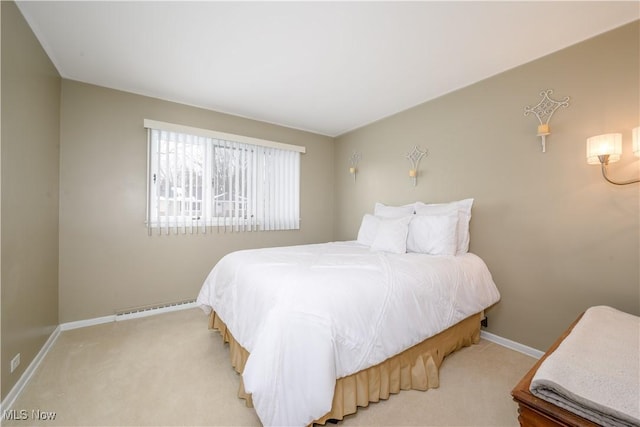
pixel 170 370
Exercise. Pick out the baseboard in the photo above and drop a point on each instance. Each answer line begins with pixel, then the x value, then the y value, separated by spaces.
pixel 28 373
pixel 529 351
pixel 133 315
pixel 88 322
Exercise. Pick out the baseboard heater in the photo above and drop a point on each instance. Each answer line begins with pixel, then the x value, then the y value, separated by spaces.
pixel 148 310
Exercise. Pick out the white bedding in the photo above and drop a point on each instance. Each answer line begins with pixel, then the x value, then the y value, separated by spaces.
pixel 313 313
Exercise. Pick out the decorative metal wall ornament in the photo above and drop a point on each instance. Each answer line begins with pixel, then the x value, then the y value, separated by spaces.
pixel 353 164
pixel 543 111
pixel 414 158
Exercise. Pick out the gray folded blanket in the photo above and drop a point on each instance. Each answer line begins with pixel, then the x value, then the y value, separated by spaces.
pixel 595 371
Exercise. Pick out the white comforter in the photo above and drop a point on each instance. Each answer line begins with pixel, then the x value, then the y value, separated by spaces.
pixel 313 313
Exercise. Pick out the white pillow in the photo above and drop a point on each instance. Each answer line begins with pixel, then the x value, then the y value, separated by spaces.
pixel 463 207
pixel 433 234
pixel 368 229
pixel 392 211
pixel 392 235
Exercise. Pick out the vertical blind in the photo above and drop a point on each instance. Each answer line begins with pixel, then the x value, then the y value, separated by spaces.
pixel 200 180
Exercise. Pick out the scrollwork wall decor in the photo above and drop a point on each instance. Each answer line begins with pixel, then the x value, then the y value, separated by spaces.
pixel 414 157
pixel 543 111
pixel 353 164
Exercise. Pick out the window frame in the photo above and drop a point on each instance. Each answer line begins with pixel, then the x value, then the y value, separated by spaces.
pixel 209 216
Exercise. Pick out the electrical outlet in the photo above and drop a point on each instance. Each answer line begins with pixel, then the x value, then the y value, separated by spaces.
pixel 15 362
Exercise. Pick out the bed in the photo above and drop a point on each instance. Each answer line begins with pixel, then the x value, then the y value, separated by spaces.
pixel 317 330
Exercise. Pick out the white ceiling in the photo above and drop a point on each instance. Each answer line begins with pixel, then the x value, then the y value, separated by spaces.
pixel 325 67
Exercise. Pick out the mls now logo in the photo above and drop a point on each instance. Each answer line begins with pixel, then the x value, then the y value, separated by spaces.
pixel 23 415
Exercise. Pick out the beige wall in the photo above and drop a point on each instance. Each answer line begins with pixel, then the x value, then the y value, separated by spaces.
pixel 30 152
pixel 555 235
pixel 107 260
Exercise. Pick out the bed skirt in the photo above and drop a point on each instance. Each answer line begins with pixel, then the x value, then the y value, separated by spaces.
pixel 414 369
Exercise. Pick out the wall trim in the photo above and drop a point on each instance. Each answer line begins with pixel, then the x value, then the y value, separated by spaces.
pixel 119 317
pixel 28 373
pixel 521 348
pixel 68 326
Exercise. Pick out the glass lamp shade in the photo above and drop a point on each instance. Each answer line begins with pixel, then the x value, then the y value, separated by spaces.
pixel 607 144
pixel 635 135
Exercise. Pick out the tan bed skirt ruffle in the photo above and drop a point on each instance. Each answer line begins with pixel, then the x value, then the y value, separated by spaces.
pixel 415 368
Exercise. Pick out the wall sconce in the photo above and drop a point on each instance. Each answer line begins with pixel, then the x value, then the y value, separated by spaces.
pixel 414 158
pixel 607 148
pixel 353 164
pixel 543 111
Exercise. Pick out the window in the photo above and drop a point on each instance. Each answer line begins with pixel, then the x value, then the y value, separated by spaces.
pixel 200 179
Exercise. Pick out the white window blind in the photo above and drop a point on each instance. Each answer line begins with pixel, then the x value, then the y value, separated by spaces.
pixel 200 179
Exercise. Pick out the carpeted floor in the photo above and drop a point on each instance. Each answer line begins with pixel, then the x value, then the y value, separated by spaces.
pixel 170 370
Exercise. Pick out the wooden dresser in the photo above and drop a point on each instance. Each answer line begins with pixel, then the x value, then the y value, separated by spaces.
pixel 535 412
